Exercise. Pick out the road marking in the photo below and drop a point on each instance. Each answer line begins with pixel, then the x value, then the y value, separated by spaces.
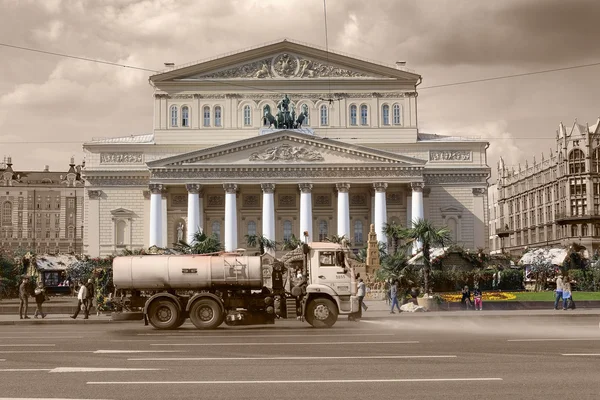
pixel 228 331
pixel 2 359
pixel 77 369
pixel 246 336
pixel 28 345
pixel 39 398
pixel 554 340
pixel 297 381
pixel 134 351
pixel 43 351
pixel 279 343
pixel 40 337
pixel 589 355
pixel 284 358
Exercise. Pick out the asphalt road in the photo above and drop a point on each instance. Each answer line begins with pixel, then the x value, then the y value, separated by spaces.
pixel 407 358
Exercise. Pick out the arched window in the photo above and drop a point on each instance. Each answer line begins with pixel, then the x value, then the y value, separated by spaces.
pixel 397 110
pixel 353 114
pixel 385 112
pixel 364 115
pixel 121 226
pixel 358 232
pixel 304 109
pixel 185 116
pixel 324 115
pixel 173 115
pixel 574 231
pixel 218 116
pixel 596 160
pixel 287 230
pixel 247 116
pixel 322 230
pixel 596 230
pixel 70 232
pixel 584 230
pixel 216 230
pixel 206 114
pixel 251 228
pixel 576 162
pixel 7 213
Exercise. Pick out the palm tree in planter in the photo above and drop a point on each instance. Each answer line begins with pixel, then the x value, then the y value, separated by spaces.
pixel 343 240
pixel 201 244
pixel 292 243
pixel 396 233
pixel 427 236
pixel 262 242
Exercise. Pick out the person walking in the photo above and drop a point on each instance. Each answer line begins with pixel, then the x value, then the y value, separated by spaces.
pixel 477 295
pixel 90 295
pixel 81 301
pixel 24 298
pixel 360 293
pixel 40 297
pixel 567 295
pixel 394 297
pixel 558 294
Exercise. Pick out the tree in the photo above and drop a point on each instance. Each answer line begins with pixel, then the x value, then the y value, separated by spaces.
pixel 262 242
pixel 201 244
pixel 292 243
pixel 395 232
pixel 424 233
pixel 343 240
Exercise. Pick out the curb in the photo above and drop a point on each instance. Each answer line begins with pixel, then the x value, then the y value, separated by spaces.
pixel 61 322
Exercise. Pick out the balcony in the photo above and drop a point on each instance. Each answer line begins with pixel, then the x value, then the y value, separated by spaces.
pixel 503 232
pixel 565 219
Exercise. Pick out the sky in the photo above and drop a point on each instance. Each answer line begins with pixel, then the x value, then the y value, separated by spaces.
pixel 46 99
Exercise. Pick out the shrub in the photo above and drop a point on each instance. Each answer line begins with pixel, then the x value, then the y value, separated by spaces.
pixel 588 279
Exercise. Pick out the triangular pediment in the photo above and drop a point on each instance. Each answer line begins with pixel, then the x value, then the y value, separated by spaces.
pixel 283 148
pixel 284 60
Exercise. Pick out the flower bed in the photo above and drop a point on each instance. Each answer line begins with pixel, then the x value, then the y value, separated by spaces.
pixel 487 296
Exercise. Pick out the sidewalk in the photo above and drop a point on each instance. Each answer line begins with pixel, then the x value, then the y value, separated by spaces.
pixel 54 319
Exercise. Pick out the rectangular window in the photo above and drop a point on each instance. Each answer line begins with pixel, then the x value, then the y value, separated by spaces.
pixel 324 116
pixel 218 116
pixel 206 116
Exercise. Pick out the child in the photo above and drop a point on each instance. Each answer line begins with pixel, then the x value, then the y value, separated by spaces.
pixel 40 297
pixel 478 299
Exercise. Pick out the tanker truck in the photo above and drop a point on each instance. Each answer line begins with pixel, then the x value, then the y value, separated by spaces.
pixel 316 284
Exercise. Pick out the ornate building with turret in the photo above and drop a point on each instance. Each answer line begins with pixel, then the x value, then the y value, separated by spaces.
pixel 551 202
pixel 41 211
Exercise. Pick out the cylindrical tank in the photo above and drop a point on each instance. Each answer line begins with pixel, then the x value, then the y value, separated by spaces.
pixel 187 272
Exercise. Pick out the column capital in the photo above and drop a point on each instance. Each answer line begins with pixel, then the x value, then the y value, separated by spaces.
pixel 417 186
pixel 267 187
pixel 380 186
pixel 479 191
pixel 342 187
pixel 193 188
pixel 94 194
pixel 305 187
pixel 230 187
pixel 155 188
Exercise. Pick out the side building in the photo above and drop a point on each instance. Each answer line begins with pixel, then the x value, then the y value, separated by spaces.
pixel 553 202
pixel 41 211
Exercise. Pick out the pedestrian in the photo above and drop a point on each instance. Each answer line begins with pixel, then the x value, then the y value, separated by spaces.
pixel 81 300
pixel 24 298
pixel 394 297
pixel 90 295
pixel 567 294
pixel 360 293
pixel 466 297
pixel 477 295
pixel 40 297
pixel 558 294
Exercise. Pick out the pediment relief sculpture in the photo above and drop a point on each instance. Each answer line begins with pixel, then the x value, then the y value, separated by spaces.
pixel 285 152
pixel 286 65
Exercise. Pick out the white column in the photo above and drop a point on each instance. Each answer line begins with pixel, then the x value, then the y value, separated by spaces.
pixel 164 225
pixel 156 215
pixel 306 211
pixel 343 210
pixel 268 211
pixel 380 211
pixel 193 211
pixel 92 226
pixel 230 217
pixel 417 208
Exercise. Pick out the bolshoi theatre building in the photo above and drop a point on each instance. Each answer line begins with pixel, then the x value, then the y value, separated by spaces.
pixel 278 140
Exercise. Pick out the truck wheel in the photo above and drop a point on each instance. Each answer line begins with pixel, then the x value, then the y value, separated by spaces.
pixel 206 314
pixel 164 314
pixel 321 313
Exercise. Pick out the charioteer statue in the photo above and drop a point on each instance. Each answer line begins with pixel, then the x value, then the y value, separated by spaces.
pixel 285 119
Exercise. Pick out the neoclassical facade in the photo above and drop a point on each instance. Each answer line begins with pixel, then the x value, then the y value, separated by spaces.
pixel 551 202
pixel 280 140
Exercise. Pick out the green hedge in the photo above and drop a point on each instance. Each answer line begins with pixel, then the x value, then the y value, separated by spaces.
pixel 588 280
pixel 455 280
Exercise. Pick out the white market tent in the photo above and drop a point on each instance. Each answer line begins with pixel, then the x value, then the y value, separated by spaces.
pixel 417 259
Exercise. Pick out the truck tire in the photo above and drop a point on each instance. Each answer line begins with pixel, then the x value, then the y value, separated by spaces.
pixel 321 313
pixel 206 314
pixel 164 314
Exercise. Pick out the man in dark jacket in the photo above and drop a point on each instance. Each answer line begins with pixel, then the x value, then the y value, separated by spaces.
pixel 90 295
pixel 24 298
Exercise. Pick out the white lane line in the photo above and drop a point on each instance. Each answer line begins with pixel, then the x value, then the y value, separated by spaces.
pixel 554 340
pixel 28 345
pixel 2 359
pixel 77 369
pixel 280 343
pixel 41 337
pixel 583 355
pixel 40 398
pixel 44 351
pixel 134 351
pixel 24 369
pixel 246 336
pixel 284 358
pixel 298 381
